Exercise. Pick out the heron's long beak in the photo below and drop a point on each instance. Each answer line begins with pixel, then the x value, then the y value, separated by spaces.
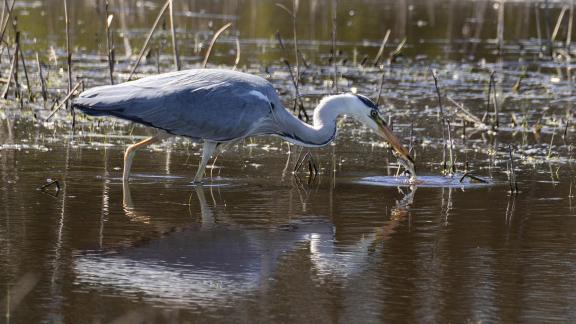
pixel 385 132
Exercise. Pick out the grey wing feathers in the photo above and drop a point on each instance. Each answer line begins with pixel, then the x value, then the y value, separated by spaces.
pixel 218 105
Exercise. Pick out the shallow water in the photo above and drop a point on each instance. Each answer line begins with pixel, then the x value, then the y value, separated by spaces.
pixel 461 181
pixel 256 242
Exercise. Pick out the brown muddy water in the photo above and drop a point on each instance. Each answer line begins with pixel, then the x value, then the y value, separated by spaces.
pixel 257 243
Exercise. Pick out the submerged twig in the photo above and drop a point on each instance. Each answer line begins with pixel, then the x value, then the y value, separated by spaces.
pixel 49 184
pixel 473 177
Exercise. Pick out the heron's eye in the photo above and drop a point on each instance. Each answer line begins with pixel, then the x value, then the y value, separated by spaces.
pixel 373 113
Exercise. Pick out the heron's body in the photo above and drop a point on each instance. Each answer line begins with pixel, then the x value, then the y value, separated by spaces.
pixel 211 106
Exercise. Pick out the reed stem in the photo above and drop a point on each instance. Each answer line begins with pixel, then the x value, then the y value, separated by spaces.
pixel 444 166
pixel 212 42
pixel 148 38
pixel 13 69
pixel 68 54
pixel 42 82
pixel 334 50
pixel 109 41
pixel 177 64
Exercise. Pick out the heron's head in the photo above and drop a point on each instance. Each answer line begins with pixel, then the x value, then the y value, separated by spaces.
pixel 366 111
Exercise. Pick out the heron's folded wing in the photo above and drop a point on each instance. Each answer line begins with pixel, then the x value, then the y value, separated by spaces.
pixel 217 111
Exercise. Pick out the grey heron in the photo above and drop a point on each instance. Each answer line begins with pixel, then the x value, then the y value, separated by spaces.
pixel 216 106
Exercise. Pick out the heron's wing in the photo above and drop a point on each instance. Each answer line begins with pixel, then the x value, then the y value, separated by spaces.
pixel 201 106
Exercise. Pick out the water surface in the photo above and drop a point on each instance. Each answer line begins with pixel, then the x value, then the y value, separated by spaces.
pixel 258 243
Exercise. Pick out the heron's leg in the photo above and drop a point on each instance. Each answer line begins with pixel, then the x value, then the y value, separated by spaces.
pixel 207 151
pixel 131 151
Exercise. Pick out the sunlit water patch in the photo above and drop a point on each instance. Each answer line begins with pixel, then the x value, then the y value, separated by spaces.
pixel 454 181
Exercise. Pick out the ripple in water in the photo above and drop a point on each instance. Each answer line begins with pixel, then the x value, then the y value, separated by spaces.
pixel 454 181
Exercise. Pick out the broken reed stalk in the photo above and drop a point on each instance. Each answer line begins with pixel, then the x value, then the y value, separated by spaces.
pixel 512 178
pixel 500 30
pixel 538 28
pixel 297 99
pixel 295 34
pixel 381 49
pixel 13 70
pixel 68 54
pixel 570 24
pixel 488 98
pixel 109 41
pixel 496 120
pixel 20 54
pixel 41 77
pixel 411 146
pixel 212 42
pixel 334 54
pixel 550 47
pixel 8 18
pixel 465 145
pixel 177 64
pixel 148 38
pixel 451 148
pixel 237 59
pixel 4 6
pixel 30 95
pixel 559 23
pixel 444 167
pixel 550 146
pixel 381 86
pixel 293 14
pixel 464 113
pixel 65 100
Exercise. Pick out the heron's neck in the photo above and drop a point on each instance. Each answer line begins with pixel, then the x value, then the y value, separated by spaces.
pixel 323 130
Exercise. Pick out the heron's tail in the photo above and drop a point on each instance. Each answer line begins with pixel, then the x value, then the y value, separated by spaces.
pixel 101 101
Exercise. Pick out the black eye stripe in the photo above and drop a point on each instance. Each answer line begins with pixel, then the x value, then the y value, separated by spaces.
pixel 367 101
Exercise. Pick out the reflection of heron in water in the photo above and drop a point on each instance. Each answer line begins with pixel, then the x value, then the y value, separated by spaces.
pixel 219 259
pixel 221 107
